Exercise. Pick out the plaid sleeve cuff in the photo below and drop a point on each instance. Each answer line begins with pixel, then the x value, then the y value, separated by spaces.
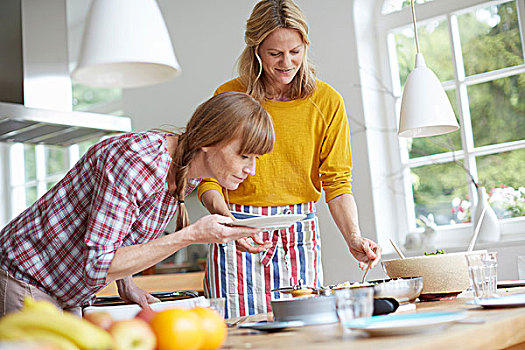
pixel 97 267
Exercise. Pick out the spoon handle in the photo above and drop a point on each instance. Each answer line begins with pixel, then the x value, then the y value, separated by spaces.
pixel 399 252
pixel 366 272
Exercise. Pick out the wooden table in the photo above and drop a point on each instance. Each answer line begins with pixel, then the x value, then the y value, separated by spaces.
pixel 488 329
pixel 163 283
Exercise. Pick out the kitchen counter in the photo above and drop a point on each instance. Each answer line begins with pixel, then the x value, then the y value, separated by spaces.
pixel 483 329
pixel 163 283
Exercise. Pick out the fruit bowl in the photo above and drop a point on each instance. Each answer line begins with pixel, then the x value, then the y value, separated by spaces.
pixel 444 275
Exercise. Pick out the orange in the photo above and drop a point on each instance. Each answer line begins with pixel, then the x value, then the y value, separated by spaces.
pixel 213 328
pixel 177 329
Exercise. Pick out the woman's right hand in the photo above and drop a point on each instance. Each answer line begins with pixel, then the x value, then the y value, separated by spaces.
pixel 215 229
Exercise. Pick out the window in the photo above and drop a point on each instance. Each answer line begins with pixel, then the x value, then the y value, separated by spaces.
pixel 476 50
pixel 34 169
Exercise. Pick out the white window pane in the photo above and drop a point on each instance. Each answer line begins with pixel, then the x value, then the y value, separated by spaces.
pixel 16 159
pixel 390 6
pixel 438 191
pixel 497 110
pixel 490 38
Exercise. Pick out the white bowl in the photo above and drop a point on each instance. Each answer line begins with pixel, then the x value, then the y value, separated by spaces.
pixel 443 274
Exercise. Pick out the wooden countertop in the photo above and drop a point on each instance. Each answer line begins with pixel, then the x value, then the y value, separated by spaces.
pixel 489 329
pixel 163 283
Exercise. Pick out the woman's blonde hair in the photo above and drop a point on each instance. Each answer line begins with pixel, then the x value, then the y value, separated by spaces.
pixel 268 15
pixel 221 119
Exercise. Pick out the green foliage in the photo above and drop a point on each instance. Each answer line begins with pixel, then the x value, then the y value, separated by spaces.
pixel 438 252
pixel 86 96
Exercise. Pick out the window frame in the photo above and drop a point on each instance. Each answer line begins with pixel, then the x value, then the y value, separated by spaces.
pixel 400 163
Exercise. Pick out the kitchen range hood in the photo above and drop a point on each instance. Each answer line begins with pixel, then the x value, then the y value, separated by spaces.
pixel 35 86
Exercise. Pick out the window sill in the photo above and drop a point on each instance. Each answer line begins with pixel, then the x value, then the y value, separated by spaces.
pixel 456 238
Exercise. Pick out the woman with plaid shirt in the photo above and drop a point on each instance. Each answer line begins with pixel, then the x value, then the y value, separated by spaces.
pixel 103 220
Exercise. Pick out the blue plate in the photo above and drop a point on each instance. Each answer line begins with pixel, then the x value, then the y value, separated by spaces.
pixel 405 323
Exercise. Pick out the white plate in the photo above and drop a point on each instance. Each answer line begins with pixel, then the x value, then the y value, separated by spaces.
pixel 125 312
pixel 268 223
pixel 515 300
pixel 271 326
pixel 405 323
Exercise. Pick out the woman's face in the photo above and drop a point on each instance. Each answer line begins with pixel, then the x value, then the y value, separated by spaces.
pixel 224 163
pixel 281 54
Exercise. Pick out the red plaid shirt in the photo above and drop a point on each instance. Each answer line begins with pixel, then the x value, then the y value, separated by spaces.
pixel 116 195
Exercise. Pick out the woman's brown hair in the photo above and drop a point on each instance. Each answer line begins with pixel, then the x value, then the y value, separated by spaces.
pixel 221 119
pixel 268 15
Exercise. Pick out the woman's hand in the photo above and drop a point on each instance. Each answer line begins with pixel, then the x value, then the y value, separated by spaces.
pixel 216 229
pixel 244 245
pixel 128 291
pixel 367 252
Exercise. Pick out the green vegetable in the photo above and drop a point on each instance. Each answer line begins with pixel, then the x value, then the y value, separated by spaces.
pixel 438 251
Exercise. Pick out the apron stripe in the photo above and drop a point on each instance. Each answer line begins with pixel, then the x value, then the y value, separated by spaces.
pixel 249 284
pixel 267 286
pixel 314 241
pixel 222 263
pixel 276 274
pixel 301 249
pixel 240 280
pixel 293 253
pixel 216 268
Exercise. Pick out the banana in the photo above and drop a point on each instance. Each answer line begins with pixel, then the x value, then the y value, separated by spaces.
pixel 31 304
pixel 11 333
pixel 38 336
pixel 82 333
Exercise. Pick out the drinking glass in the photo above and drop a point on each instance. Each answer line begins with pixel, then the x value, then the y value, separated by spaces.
pixel 483 274
pixel 354 303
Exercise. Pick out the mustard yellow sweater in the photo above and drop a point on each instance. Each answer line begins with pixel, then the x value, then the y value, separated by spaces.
pixel 312 149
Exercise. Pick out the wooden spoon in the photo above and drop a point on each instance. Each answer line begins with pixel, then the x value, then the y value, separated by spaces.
pixel 399 252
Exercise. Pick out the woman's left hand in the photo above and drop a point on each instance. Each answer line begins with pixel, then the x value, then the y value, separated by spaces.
pixel 129 291
pixel 367 252
pixel 245 245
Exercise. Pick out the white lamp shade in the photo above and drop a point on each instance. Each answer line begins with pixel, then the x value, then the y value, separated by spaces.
pixel 425 108
pixel 125 44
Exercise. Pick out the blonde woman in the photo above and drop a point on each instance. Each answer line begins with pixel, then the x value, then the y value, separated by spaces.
pixel 312 153
pixel 102 221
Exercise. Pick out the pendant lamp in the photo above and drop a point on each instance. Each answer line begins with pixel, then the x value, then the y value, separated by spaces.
pixel 125 44
pixel 425 108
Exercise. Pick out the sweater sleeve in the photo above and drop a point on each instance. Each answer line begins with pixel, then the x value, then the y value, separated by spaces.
pixel 336 157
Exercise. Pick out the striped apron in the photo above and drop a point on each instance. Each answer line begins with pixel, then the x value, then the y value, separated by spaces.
pixel 245 280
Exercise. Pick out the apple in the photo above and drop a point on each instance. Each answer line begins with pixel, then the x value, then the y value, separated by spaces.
pixel 103 319
pixel 146 314
pixel 133 334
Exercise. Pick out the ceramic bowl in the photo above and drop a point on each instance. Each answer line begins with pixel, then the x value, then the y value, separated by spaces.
pixel 444 275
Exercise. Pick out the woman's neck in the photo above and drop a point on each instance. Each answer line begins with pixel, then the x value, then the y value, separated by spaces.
pixel 171 143
pixel 279 93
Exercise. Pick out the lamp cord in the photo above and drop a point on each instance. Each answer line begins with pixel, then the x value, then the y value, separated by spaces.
pixel 415 27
